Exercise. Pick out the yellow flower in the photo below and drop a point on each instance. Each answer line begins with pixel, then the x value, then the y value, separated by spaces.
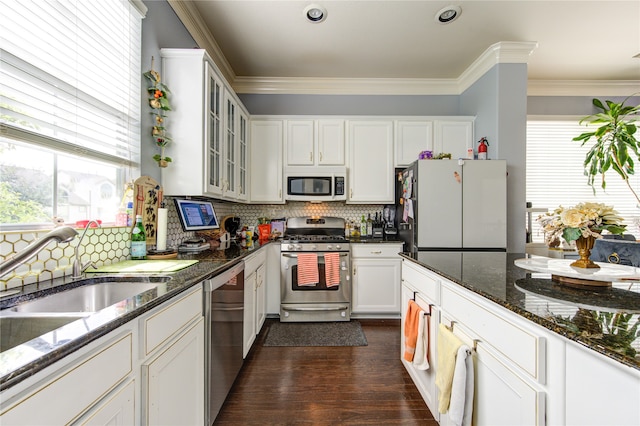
pixel 572 218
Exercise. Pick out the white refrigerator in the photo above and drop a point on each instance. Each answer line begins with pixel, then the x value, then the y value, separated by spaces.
pixel 454 205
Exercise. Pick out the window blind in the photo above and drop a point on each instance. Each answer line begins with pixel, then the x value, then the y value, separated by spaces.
pixel 555 173
pixel 70 76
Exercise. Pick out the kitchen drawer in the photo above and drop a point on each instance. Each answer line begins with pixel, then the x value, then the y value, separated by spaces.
pixel 253 261
pixel 421 280
pixel 518 344
pixel 162 324
pixel 375 250
pixel 69 395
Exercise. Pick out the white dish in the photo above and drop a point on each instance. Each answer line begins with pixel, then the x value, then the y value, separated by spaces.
pixel 561 267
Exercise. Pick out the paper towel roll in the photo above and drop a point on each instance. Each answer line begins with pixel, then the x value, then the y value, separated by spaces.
pixel 161 235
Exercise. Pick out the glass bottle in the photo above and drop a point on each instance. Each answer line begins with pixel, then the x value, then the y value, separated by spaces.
pixel 138 240
pixel 363 227
pixel 369 226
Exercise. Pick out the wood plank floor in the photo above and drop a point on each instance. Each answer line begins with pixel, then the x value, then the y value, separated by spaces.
pixel 365 385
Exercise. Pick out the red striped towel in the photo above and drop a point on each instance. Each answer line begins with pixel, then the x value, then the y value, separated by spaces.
pixel 307 269
pixel 332 269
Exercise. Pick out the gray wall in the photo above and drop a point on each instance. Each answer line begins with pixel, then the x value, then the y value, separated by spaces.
pixel 570 105
pixel 280 104
pixel 160 28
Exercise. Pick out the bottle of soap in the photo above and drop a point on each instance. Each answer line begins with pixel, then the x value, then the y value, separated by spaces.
pixel 138 240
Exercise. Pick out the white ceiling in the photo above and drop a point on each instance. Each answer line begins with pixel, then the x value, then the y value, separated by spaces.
pixel 592 41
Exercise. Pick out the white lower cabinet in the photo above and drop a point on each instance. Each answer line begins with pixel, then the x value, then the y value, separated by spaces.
pixel 425 380
pixel 600 391
pixel 147 371
pixel 173 381
pixel 255 301
pixel 70 388
pixel 502 395
pixel 118 409
pixel 524 373
pixel 376 278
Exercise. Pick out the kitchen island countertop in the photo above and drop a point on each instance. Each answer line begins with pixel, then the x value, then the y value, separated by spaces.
pixel 577 314
pixel 24 360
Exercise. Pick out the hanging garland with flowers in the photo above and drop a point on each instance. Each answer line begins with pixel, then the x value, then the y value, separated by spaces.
pixel 159 104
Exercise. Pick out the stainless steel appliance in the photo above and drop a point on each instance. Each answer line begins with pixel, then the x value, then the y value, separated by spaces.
pixel 324 183
pixel 224 314
pixel 453 205
pixel 319 302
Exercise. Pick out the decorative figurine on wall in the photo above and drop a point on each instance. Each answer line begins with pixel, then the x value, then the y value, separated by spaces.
pixel 159 103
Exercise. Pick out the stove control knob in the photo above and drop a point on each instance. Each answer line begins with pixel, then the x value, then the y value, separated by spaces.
pixel 329 247
pixel 338 246
pixel 313 247
pixel 298 246
pixel 290 247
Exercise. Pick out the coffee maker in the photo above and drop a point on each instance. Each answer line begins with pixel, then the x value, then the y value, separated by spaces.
pixel 389 219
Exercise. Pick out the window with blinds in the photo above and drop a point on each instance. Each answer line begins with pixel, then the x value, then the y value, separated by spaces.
pixel 70 89
pixel 555 174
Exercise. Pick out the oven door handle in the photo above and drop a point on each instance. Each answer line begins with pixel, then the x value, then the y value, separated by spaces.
pixel 338 308
pixel 295 255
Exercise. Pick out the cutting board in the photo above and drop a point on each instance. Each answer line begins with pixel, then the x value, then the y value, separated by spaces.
pixel 146 266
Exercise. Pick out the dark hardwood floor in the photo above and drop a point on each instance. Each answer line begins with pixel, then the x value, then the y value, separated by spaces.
pixel 364 385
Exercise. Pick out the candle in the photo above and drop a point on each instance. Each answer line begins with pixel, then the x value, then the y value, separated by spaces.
pixel 161 240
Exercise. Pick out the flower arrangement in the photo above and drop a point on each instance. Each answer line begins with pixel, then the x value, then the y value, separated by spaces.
pixel 582 220
pixel 159 103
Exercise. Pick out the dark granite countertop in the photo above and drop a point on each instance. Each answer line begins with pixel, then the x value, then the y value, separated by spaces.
pixel 605 320
pixel 24 360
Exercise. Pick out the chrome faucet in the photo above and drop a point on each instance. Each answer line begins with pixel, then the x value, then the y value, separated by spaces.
pixel 78 267
pixel 63 234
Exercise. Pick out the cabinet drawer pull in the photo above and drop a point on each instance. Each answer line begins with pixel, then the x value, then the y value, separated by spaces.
pixel 376 251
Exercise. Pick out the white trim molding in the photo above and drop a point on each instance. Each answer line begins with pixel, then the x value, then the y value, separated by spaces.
pixel 583 87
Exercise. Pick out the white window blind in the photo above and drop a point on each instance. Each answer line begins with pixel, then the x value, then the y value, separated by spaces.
pixel 555 173
pixel 70 76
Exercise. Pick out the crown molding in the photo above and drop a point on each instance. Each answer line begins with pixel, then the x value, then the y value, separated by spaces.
pixel 345 86
pixel 504 52
pixel 582 87
pixel 191 19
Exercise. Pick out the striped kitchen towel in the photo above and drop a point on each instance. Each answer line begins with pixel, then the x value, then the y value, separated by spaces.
pixel 307 269
pixel 332 269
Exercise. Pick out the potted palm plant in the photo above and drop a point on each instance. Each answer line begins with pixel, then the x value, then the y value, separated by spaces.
pixel 616 144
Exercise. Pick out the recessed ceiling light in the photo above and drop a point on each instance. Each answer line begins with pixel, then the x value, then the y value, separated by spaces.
pixel 448 14
pixel 315 13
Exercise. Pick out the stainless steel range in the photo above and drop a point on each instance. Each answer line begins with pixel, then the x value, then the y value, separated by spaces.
pixel 315 271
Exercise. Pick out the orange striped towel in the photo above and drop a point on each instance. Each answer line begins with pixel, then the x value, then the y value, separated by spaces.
pixel 307 269
pixel 411 321
pixel 332 269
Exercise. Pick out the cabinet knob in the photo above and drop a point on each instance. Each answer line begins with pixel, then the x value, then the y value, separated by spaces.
pixel 320 156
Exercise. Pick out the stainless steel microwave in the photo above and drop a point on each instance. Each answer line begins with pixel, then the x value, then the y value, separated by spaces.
pixel 315 183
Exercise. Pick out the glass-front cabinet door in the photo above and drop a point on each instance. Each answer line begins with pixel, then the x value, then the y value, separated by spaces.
pixel 229 185
pixel 242 156
pixel 214 147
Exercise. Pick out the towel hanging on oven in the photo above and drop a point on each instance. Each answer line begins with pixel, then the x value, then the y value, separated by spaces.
pixel 332 269
pixel 307 269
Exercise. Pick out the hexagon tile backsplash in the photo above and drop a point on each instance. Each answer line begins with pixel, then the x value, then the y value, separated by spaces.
pixel 107 245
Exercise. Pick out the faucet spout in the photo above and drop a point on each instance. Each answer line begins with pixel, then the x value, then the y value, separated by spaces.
pixel 63 234
pixel 78 268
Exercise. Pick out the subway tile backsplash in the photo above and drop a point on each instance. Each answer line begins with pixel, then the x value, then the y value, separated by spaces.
pixel 107 245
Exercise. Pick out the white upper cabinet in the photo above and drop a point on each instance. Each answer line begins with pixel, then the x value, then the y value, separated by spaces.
pixel 453 136
pixel 266 161
pixel 315 142
pixel 371 172
pixel 206 124
pixel 412 137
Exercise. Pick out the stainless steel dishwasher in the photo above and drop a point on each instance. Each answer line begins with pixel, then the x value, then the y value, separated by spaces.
pixel 224 315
